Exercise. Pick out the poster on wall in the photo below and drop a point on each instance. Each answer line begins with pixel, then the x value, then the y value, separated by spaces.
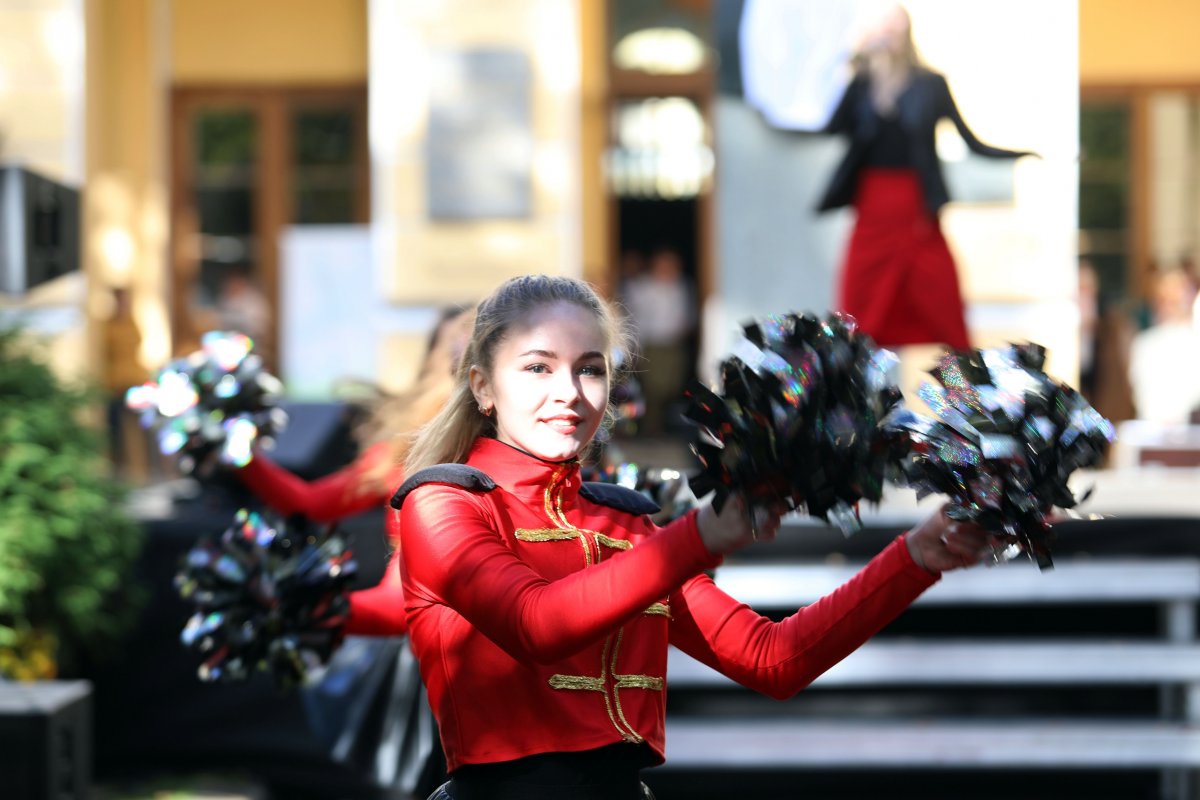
pixel 326 329
pixel 479 147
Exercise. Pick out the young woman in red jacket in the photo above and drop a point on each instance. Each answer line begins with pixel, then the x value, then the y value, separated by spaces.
pixel 541 608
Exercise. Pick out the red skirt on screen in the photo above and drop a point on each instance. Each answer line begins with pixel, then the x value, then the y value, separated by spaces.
pixel 898 278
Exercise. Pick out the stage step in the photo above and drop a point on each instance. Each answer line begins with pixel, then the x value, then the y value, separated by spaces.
pixel 983 662
pixel 718 743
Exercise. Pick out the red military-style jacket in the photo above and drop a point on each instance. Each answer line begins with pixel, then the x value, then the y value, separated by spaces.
pixel 378 611
pixel 541 613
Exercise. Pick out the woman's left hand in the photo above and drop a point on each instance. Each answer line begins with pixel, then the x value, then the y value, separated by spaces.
pixel 940 544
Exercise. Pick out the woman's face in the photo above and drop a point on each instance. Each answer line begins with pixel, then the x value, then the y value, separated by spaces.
pixel 889 33
pixel 549 382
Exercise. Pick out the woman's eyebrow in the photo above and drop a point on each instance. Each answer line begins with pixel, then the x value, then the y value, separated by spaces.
pixel 552 354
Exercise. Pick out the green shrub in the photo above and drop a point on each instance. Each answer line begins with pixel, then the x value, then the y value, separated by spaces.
pixel 67 547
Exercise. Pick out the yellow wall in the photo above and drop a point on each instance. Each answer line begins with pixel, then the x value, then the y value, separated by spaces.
pixel 593 93
pixel 1139 41
pixel 276 41
pixel 40 76
pixel 432 262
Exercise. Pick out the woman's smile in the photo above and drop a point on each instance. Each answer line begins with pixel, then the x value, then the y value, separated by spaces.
pixel 564 423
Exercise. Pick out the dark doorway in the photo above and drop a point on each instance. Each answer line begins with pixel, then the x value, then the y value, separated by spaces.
pixel 646 224
pixel 647 228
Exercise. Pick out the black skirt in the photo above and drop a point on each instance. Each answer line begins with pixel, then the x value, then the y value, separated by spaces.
pixel 606 773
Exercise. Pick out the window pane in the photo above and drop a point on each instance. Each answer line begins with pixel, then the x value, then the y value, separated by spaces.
pixel 660 149
pixel 324 137
pixel 1104 176
pixel 659 36
pixel 224 196
pixel 324 175
pixel 1102 205
pixel 225 137
pixel 225 210
pixel 1104 132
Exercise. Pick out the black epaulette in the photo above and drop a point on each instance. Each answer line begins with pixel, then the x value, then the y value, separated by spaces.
pixel 618 497
pixel 452 474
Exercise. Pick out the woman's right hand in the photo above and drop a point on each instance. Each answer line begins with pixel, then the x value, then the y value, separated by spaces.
pixel 732 529
pixel 940 544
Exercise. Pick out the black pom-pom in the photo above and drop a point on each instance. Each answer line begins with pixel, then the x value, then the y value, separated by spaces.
pixel 1006 440
pixel 799 418
pixel 267 595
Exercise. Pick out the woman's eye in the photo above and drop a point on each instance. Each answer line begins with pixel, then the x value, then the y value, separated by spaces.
pixel 592 371
pixel 538 368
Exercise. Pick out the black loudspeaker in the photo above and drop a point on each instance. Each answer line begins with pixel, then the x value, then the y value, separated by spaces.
pixel 319 438
pixel 39 229
pixel 46 740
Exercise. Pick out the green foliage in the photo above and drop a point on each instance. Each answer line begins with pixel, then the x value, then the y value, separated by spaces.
pixel 67 547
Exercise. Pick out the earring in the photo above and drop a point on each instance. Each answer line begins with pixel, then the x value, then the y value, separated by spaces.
pixel 485 410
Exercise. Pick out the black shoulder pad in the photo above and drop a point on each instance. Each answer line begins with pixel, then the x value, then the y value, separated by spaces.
pixel 618 497
pixel 453 474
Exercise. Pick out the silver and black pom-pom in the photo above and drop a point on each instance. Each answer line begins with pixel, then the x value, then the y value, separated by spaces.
pixel 799 418
pixel 268 595
pixel 213 405
pixel 1005 442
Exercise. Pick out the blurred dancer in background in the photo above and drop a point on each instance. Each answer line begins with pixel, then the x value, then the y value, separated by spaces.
pixel 897 277
pixel 382 725
pixel 369 481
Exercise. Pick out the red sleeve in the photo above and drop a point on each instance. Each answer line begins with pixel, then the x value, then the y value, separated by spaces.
pixel 781 658
pixel 453 554
pixel 326 499
pixel 379 611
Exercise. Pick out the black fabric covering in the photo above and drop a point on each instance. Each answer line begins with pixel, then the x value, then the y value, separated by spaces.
pixel 452 474
pixel 619 497
pixel 319 438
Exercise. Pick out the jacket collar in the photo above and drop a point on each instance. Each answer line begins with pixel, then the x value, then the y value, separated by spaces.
pixel 537 482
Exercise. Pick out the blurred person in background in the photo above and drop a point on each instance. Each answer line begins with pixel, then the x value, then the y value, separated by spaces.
pixel 630 268
pixel 1105 333
pixel 397 740
pixel 1163 357
pixel 898 278
pixel 369 481
pixel 242 306
pixel 662 308
pixel 130 449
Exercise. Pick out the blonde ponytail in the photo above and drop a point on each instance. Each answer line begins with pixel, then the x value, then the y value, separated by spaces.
pixel 447 438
